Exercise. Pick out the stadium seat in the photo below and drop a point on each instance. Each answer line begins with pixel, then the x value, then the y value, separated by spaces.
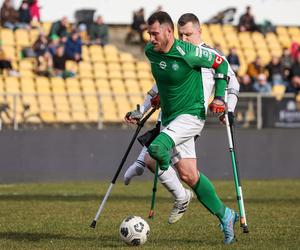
pixel 72 86
pixel 103 86
pixel 129 74
pixel 42 85
pixel 58 85
pixel 132 86
pixel 278 91
pixel 76 103
pixel 118 87
pixel 88 86
pixel 126 57
pixel 113 66
pixel 22 38
pixel 128 66
pixel 142 66
pixel 115 74
pixel 12 85
pixel 7 37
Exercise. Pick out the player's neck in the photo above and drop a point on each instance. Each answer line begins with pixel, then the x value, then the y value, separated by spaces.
pixel 169 45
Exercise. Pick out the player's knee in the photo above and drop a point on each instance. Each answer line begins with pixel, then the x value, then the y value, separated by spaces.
pixel 189 179
pixel 160 148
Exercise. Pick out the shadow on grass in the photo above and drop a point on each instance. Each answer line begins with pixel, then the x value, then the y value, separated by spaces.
pixel 101 240
pixel 120 198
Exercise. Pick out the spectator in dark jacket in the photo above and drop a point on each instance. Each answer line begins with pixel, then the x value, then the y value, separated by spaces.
pixel 276 72
pixel 246 84
pixel 233 59
pixel 294 85
pixel 73 47
pixel 9 16
pixel 98 32
pixel 247 22
pixel 60 28
pixel 24 13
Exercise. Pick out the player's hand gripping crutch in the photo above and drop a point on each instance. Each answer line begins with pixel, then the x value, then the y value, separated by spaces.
pixel 140 124
pixel 237 181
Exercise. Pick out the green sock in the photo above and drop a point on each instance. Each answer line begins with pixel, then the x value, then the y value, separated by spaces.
pixel 207 195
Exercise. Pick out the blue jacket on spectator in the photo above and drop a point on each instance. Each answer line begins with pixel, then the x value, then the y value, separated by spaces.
pixel 73 47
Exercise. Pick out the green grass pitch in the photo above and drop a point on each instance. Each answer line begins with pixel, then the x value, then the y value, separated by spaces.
pixel 57 216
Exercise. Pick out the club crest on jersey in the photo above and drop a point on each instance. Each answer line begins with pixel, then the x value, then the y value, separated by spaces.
pixel 162 64
pixel 175 66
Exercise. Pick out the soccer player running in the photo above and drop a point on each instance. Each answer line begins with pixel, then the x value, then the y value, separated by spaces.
pixel 175 67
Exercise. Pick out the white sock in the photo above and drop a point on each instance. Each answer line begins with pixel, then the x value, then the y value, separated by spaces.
pixel 137 168
pixel 140 161
pixel 172 183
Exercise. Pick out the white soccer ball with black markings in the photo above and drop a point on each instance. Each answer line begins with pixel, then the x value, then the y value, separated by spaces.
pixel 134 230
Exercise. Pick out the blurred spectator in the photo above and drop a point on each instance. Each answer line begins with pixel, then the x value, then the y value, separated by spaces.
pixel 53 44
pixel 60 28
pixel 5 63
pixel 275 72
pixel 34 10
pixel 137 27
pixel 286 61
pixel 44 58
pixel 73 47
pixel 247 22
pixel 261 85
pixel 255 68
pixel 233 59
pixel 158 9
pixel 9 16
pixel 98 32
pixel 246 84
pixel 295 50
pixel 295 77
pixel 24 13
pixel 59 63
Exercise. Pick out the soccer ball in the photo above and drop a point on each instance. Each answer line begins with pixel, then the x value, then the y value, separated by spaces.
pixel 134 230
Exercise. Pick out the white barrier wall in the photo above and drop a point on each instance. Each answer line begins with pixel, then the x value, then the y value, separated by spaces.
pixel 284 12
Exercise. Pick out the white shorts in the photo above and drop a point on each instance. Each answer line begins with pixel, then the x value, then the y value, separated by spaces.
pixel 183 130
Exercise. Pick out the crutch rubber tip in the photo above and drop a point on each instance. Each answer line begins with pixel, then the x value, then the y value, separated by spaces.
pixel 151 215
pixel 93 224
pixel 245 229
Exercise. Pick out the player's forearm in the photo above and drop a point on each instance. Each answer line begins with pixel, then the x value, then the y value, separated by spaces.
pixel 221 78
pixel 147 102
pixel 233 93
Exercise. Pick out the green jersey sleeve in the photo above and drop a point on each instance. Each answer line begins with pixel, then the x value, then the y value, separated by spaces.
pixel 201 57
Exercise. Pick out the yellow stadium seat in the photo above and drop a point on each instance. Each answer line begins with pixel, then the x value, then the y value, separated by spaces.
pixel 278 91
pixel 27 85
pixel 144 74
pixel 142 66
pixel 295 38
pixel 110 49
pixel 7 37
pixel 114 66
pixel 293 30
pixel 103 86
pixel 281 30
pixel 99 66
pixel 72 66
pixel 33 35
pixel 58 85
pixel 115 74
pixel 126 57
pixel 9 51
pixel 42 85
pixel 129 74
pixel 132 86
pixel 26 64
pixel 86 73
pixel 79 116
pixel 118 87
pixel 22 37
pixel 61 103
pixel 97 58
pixel 146 85
pixel 76 103
pixel 88 86
pixel 112 58
pixel 48 117
pixel 46 104
pixel 96 50
pixel 136 99
pixel 128 66
pixel 92 103
pixel 93 116
pixel 63 116
pixel 12 84
pixel 85 65
pixel 100 73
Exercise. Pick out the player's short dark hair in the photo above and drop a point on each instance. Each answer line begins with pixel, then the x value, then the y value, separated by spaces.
pixel 188 17
pixel 161 17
